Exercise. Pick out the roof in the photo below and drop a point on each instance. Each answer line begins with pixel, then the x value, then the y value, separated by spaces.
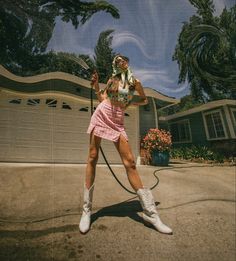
pixel 73 79
pixel 200 108
pixel 155 94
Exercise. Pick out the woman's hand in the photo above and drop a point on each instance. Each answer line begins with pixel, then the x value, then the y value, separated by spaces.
pixel 94 83
pixel 94 79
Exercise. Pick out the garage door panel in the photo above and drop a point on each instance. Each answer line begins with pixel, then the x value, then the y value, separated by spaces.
pixel 69 155
pixel 33 134
pixel 69 136
pixel 32 120
pixel 73 121
pixel 5 142
pixel 7 115
pixel 69 129
pixel 67 145
pixel 30 154
pixel 6 133
pixel 25 143
pixel 5 151
pixel 46 134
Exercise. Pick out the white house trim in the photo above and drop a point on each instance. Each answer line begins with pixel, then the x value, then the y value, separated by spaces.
pixel 155 112
pixel 228 119
pixel 206 128
pixel 234 119
pixel 77 80
pixel 204 107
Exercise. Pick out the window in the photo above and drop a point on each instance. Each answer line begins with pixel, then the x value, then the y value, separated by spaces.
pixel 33 102
pixel 52 103
pixel 83 109
pixel 66 106
pixel 214 125
pixel 15 101
pixel 180 131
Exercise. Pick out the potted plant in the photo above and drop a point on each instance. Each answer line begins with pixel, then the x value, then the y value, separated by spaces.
pixel 157 144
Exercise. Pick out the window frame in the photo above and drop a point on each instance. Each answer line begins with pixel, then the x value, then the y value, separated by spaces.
pixel 189 129
pixel 232 110
pixel 204 114
pixel 232 113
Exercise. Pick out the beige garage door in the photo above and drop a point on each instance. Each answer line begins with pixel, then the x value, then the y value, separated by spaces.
pixel 51 127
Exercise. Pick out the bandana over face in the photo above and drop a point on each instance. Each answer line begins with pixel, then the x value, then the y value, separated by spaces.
pixel 126 75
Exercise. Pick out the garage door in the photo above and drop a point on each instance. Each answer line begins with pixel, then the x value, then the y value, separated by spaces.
pixel 51 127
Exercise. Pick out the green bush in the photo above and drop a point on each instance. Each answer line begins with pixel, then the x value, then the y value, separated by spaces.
pixel 196 153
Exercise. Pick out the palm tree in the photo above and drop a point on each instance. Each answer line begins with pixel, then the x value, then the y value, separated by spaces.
pixel 206 52
pixel 26 26
pixel 104 55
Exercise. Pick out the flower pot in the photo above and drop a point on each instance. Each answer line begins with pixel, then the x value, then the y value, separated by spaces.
pixel 160 158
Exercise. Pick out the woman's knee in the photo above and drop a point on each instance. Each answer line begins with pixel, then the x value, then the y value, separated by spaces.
pixel 129 163
pixel 93 156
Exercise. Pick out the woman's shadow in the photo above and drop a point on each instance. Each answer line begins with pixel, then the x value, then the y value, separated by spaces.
pixel 124 209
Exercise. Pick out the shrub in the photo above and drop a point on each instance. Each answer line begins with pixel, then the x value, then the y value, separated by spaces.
pixel 155 139
pixel 196 153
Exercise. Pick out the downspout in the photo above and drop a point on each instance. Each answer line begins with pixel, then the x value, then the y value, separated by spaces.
pixel 155 112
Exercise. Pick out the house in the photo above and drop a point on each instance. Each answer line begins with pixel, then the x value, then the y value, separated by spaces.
pixel 212 124
pixel 44 118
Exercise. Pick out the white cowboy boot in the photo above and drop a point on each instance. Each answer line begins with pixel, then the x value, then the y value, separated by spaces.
pixel 85 220
pixel 150 214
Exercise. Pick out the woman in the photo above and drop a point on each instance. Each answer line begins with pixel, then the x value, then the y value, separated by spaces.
pixel 108 122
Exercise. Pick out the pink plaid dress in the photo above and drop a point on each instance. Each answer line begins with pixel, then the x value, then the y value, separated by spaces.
pixel 107 122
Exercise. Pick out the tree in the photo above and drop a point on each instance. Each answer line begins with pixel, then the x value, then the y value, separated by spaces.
pixel 71 62
pixel 26 26
pixel 187 102
pixel 206 52
pixel 104 55
pixel 61 61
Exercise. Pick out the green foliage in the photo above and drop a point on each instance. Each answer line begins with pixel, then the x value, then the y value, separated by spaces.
pixel 104 55
pixel 199 153
pixel 68 62
pixel 26 26
pixel 205 8
pixel 206 52
pixel 187 102
pixel 51 62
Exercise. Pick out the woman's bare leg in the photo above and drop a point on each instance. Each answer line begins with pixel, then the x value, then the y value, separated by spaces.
pixel 92 160
pixel 128 160
pixel 150 214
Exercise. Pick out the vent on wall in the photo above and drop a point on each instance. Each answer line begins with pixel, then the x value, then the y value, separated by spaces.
pixel 15 101
pixel 52 103
pixel 83 109
pixel 66 106
pixel 33 102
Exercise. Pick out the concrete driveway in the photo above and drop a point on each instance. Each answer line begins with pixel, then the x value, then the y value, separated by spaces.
pixel 41 208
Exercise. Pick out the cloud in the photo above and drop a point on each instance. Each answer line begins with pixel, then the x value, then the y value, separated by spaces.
pixel 125 37
pixel 67 39
pixel 221 4
pixel 154 75
pixel 175 88
pixel 160 80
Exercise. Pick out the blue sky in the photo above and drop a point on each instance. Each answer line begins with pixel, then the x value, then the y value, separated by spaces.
pixel 146 32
